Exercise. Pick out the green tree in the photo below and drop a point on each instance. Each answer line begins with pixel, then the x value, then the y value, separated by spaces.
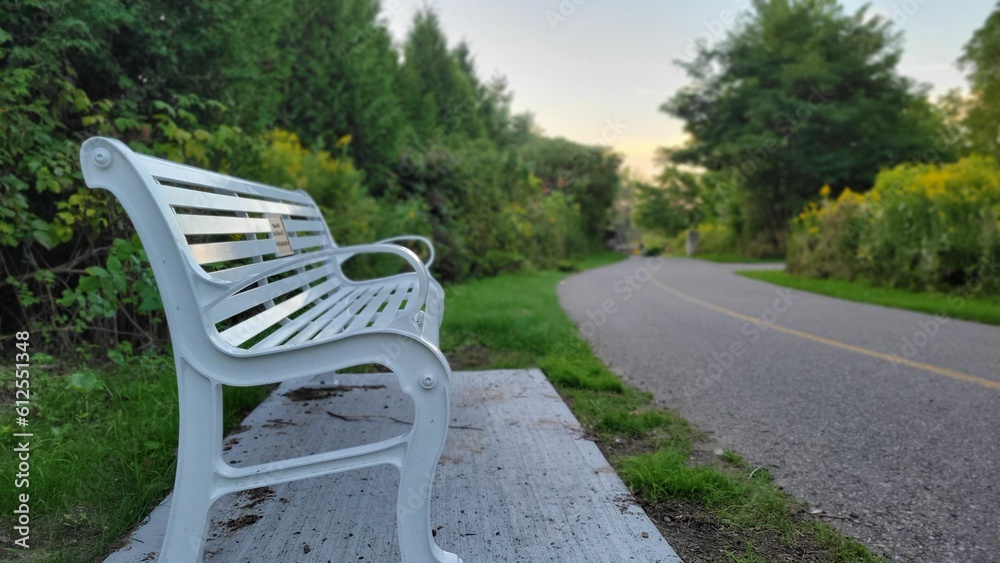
pixel 800 95
pixel 437 95
pixel 588 174
pixel 672 205
pixel 493 99
pixel 981 57
pixel 343 69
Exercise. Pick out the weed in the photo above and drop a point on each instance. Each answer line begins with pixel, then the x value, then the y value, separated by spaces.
pixel 734 459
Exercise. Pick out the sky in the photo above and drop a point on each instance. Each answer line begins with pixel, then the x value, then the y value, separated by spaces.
pixel 596 71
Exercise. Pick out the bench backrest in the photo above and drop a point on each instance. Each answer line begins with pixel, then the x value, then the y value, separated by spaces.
pixel 223 230
pixel 228 223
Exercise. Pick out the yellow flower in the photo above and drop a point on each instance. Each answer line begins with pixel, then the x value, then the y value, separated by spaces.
pixel 825 190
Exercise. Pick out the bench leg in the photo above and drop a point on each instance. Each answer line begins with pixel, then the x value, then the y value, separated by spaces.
pixel 416 475
pixel 200 443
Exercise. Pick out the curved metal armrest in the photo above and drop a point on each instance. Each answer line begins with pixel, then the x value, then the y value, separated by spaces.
pixel 423 279
pixel 425 240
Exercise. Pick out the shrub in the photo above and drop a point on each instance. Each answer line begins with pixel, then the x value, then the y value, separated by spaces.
pixel 713 238
pixel 933 228
pixel 825 237
pixel 652 250
pixel 922 227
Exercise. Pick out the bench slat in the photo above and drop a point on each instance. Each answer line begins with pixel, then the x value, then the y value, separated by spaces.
pixel 380 298
pixel 394 304
pixel 210 252
pixel 340 322
pixel 251 271
pixel 337 306
pixel 305 226
pixel 164 170
pixel 264 320
pixel 262 294
pixel 209 225
pixel 301 322
pixel 180 197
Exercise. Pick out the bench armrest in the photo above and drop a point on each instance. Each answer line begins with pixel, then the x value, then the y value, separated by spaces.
pixel 390 240
pixel 423 279
pixel 425 240
pixel 419 268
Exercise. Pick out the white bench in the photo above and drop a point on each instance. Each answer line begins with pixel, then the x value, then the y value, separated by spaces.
pixel 254 294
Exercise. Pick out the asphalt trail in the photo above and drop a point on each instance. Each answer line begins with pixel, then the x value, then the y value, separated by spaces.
pixel 889 418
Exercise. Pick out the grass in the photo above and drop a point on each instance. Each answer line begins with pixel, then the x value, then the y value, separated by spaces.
pixel 736 259
pixel 958 305
pixel 102 454
pixel 515 321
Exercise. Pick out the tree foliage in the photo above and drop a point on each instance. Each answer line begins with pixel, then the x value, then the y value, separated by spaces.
pixel 438 96
pixel 981 57
pixel 343 68
pixel 672 205
pixel 587 174
pixel 800 95
pixel 309 95
pixel 923 227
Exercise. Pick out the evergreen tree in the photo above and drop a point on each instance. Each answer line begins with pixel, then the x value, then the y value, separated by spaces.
pixel 438 97
pixel 493 98
pixel 343 67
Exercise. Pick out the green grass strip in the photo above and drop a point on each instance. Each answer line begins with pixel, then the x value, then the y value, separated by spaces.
pixel 964 305
pixel 515 321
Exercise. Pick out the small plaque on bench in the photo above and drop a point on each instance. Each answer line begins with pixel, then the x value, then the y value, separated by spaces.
pixel 284 246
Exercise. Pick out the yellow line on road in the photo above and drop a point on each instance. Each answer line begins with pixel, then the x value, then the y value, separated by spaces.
pixel 856 349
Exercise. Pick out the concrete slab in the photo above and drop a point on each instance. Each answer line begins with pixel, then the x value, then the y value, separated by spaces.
pixel 517 482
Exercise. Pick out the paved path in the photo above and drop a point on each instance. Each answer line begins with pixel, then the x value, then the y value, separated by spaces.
pixel 517 481
pixel 887 417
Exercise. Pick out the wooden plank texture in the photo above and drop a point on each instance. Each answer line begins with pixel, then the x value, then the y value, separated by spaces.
pixel 517 481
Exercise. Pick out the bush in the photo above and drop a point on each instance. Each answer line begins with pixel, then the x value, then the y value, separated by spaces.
pixel 713 238
pixel 653 250
pixel 486 212
pixel 922 227
pixel 825 237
